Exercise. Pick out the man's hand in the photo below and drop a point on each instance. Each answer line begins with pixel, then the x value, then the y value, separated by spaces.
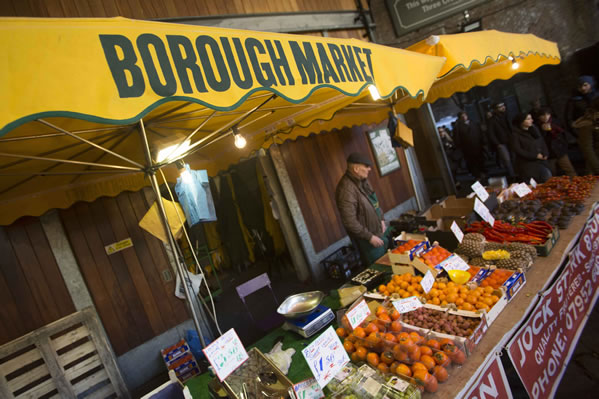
pixel 376 242
pixel 383 226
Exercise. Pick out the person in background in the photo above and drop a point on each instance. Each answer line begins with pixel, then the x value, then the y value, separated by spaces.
pixel 452 152
pixel 360 210
pixel 469 139
pixel 588 136
pixel 530 150
pixel 499 134
pixel 557 142
pixel 581 99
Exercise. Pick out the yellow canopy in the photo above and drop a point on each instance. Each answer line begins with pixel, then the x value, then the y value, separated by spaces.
pixel 81 95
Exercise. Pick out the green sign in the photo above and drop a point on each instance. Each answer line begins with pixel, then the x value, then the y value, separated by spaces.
pixel 409 15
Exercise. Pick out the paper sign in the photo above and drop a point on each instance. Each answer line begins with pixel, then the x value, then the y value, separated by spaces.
pixel 325 356
pixel 427 282
pixel 459 234
pixel 522 190
pixel 407 304
pixel 533 183
pixel 483 211
pixel 358 314
pixel 118 246
pixel 480 191
pixel 225 354
pixel 308 389
pixel 454 262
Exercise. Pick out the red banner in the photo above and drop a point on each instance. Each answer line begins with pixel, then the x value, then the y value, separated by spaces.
pixel 491 382
pixel 541 348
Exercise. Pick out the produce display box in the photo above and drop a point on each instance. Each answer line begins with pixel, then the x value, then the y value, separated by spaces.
pixel 407 257
pixel 545 249
pixel 513 285
pixel 453 209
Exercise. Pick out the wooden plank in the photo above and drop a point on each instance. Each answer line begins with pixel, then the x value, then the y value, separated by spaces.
pixel 53 277
pixel 97 8
pixel 140 328
pixel 83 9
pixel 140 281
pixel 110 8
pixel 4 391
pixel 76 353
pixel 39 390
pixel 20 361
pixel 10 318
pixel 27 378
pixel 90 381
pixel 70 9
pixel 88 268
pixel 18 285
pixel 55 9
pixel 56 371
pixel 83 367
pixel 102 393
pixel 23 9
pixel 7 9
pixel 72 336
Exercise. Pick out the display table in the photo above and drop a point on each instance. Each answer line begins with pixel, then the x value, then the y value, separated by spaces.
pixel 538 278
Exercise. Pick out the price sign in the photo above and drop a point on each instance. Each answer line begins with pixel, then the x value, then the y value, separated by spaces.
pixel 483 211
pixel 533 183
pixel 480 191
pixel 522 190
pixel 358 314
pixel 308 389
pixel 454 262
pixel 407 304
pixel 325 356
pixel 459 234
pixel 225 354
pixel 427 282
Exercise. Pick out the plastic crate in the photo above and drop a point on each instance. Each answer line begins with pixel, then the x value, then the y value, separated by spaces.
pixel 340 263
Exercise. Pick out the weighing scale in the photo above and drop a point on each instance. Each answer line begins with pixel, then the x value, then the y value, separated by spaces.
pixel 309 325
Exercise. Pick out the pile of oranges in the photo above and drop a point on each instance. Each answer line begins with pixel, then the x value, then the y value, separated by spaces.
pixel 404 286
pixel 435 256
pixel 462 296
pixel 405 247
pixel 496 278
pixel 382 344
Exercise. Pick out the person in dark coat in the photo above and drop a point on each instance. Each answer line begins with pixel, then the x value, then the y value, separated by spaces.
pixel 588 137
pixel 499 135
pixel 469 139
pixel 581 99
pixel 557 142
pixel 530 150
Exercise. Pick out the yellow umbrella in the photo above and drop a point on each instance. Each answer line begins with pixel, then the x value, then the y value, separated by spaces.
pixel 81 96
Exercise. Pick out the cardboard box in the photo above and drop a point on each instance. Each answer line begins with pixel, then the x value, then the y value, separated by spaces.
pixel 459 210
pixel 545 249
pixel 513 285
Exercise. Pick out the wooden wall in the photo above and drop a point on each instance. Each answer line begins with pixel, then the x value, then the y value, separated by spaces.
pixel 316 163
pixel 32 291
pixel 128 289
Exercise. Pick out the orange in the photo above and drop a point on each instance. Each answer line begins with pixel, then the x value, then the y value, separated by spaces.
pixel 348 346
pixel 341 332
pixel 440 373
pixel 380 310
pixel 416 338
pixel 393 367
pixel 359 332
pixel 428 361
pixel 387 357
pixel 403 369
pixel 383 368
pixel 382 288
pixel 390 338
pixel 397 279
pixel 433 343
pixel 355 358
pixel 361 352
pixel 371 328
pixel 436 301
pixel 418 366
pixel 396 326
pixel 414 353
pixel 373 359
pixel 385 318
pixel 425 350
pixel 395 314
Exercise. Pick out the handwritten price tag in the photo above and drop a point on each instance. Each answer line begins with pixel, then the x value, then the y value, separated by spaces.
pixel 407 304
pixel 459 234
pixel 427 282
pixel 308 389
pixel 325 356
pixel 480 191
pixel 533 183
pixel 522 190
pixel 358 314
pixel 483 211
pixel 225 354
pixel 454 262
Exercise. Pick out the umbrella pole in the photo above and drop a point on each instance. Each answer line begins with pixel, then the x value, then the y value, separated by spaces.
pixel 180 269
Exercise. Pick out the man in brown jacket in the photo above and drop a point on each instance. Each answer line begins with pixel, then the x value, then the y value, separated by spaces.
pixel 360 211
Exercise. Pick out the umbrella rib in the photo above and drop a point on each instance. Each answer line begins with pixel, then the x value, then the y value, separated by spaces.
pixel 87 172
pixel 4 154
pixel 50 135
pixel 91 143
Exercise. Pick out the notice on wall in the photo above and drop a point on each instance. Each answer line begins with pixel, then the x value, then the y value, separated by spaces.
pixel 225 354
pixel 491 382
pixel 541 348
pixel 325 356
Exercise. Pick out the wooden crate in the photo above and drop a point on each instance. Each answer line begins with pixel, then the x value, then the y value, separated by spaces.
pixel 69 358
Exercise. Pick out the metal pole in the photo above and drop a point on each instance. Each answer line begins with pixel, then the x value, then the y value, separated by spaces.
pixel 180 269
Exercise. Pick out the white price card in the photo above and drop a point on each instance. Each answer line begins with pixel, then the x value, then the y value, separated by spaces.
pixel 459 234
pixel 533 183
pixel 480 191
pixel 427 282
pixel 308 389
pixel 325 356
pixel 483 211
pixel 407 304
pixel 358 314
pixel 522 190
pixel 225 354
pixel 454 262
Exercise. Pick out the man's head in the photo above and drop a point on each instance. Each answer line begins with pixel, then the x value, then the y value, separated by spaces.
pixel 462 116
pixel 499 107
pixel 585 84
pixel 359 165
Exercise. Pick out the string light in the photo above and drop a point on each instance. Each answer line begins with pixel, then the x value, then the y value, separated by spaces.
pixel 173 151
pixel 240 141
pixel 184 172
pixel 515 64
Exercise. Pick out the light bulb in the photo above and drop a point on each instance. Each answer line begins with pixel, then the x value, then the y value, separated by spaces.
pixel 173 151
pixel 239 141
pixel 374 92
pixel 515 64
pixel 186 176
